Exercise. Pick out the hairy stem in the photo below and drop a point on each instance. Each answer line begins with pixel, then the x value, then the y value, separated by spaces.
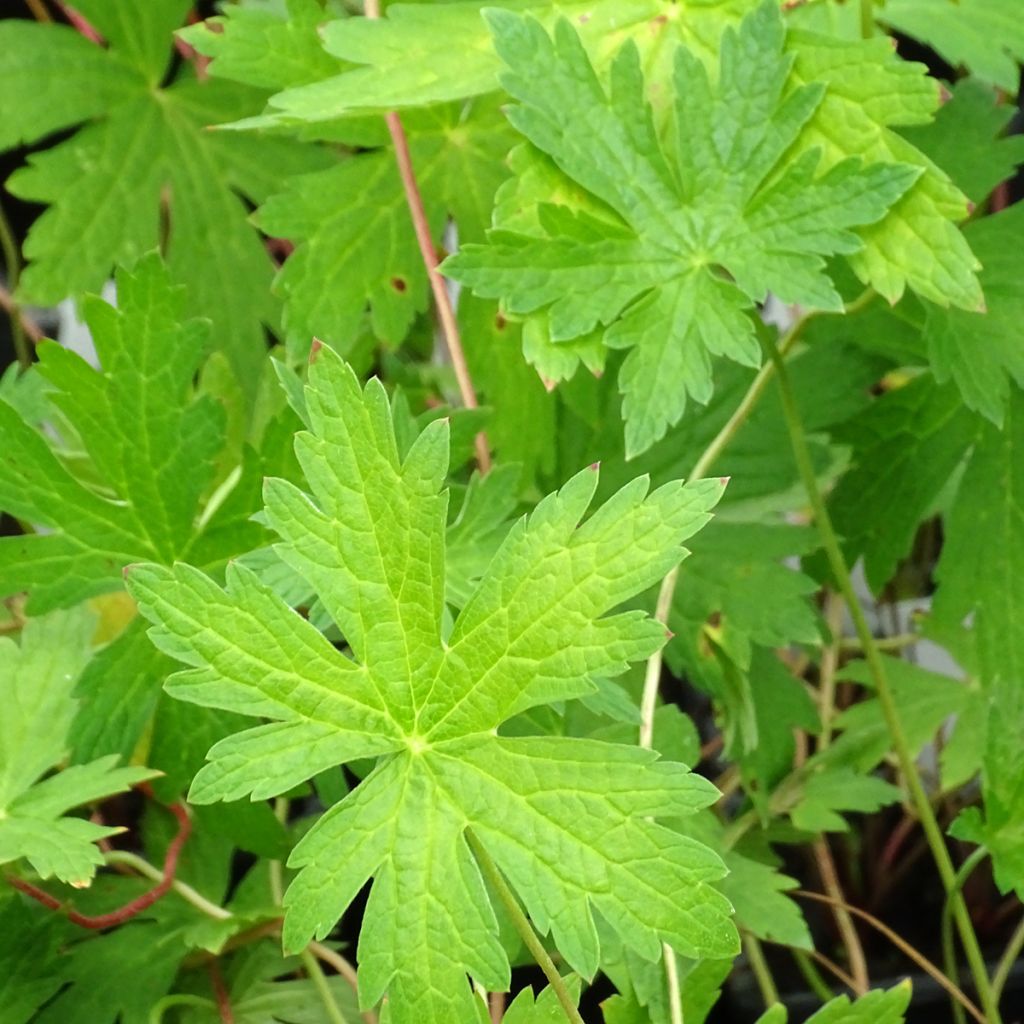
pixel 442 301
pixel 331 1007
pixel 876 666
pixel 851 940
pixel 522 925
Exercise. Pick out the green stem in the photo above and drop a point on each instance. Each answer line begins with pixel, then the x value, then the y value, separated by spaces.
pixel 867 19
pixel 809 969
pixel 948 949
pixel 312 966
pixel 758 964
pixel 156 1015
pixel 1009 958
pixel 876 666
pixel 12 264
pixel 183 889
pixel 525 929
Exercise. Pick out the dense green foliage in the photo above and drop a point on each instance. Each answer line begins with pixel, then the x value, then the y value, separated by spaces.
pixel 415 692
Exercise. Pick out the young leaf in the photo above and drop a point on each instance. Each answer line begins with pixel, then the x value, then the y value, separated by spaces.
pixel 985 36
pixel 370 539
pixel 877 1007
pixel 37 678
pixel 142 149
pixel 688 241
pixel 149 441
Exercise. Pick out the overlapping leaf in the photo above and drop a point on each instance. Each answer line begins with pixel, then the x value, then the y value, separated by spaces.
pixel 149 445
pixel 370 541
pixel 688 240
pixel 141 169
pixel 37 677
pixel 985 36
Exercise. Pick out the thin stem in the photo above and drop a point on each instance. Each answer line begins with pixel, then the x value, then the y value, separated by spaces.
pixel 832 967
pixel 1006 962
pixel 851 940
pixel 39 11
pixel 442 300
pixel 867 19
pixel 883 643
pixel 156 1015
pixel 908 950
pixel 332 1009
pixel 758 964
pixel 12 264
pixel 675 996
pixel 276 873
pixel 827 669
pixel 183 889
pixel 876 666
pixel 812 975
pixel 525 929
pixel 948 948
pixel 220 992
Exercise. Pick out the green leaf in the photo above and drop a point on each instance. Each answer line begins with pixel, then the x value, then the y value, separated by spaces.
pixel 36 684
pixel 828 790
pixel 142 169
pixel 965 139
pixel 149 441
pixel 979 576
pixel 355 241
pixel 544 1009
pixel 905 449
pixel 30 937
pixel 532 633
pixel 877 1007
pixel 981 351
pixel 264 47
pixel 985 36
pixel 712 227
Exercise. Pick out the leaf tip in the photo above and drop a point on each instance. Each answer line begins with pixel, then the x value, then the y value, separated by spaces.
pixel 724 480
pixel 669 634
pixel 944 94
pixel 595 466
pixel 549 384
pixel 314 349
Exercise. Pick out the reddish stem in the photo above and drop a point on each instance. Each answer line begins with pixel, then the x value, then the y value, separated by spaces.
pixel 220 992
pixel 80 24
pixel 135 906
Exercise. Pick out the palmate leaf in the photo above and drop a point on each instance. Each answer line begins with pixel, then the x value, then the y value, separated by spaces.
pixel 979 576
pixel 141 169
pixel 149 444
pixel 566 820
pixel 37 678
pixel 685 242
pixel 882 1006
pixel 985 36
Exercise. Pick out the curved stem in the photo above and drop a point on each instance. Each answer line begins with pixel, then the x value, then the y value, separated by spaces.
pixel 876 666
pixel 812 975
pixel 183 889
pixel 1006 962
pixel 331 1007
pixel 758 964
pixel 907 949
pixel 156 1015
pixel 525 929
pixel 442 301
pixel 948 949
pixel 851 940
pixel 12 264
